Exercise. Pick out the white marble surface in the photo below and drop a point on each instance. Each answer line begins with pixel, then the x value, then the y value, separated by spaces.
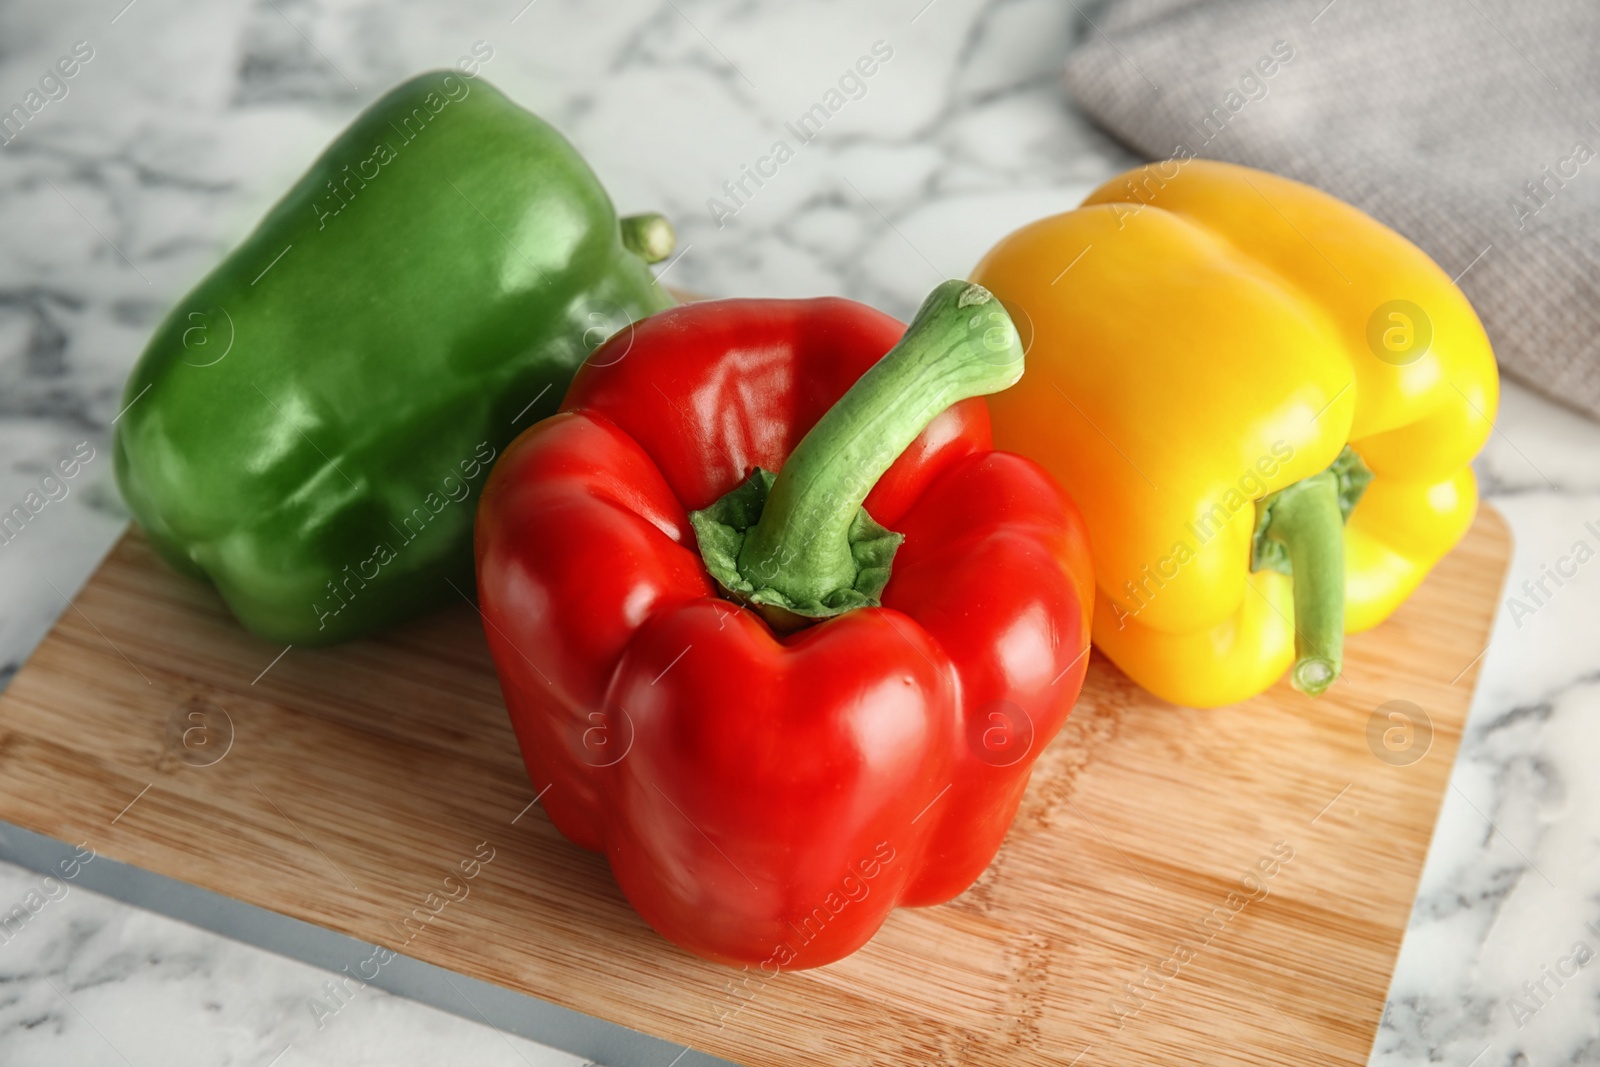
pixel 190 118
pixel 89 980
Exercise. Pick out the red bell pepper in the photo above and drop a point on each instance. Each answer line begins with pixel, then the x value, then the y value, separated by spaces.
pixel 769 759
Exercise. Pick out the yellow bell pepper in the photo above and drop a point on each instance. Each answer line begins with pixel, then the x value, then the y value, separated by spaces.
pixel 1264 401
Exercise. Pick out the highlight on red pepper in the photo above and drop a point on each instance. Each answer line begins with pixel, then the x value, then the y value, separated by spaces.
pixel 780 633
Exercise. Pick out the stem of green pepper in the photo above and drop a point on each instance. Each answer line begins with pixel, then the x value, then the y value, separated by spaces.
pixel 649 236
pixel 960 344
pixel 1306 520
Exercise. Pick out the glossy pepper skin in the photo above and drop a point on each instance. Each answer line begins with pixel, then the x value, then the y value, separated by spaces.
pixel 767 799
pixel 310 427
pixel 1224 335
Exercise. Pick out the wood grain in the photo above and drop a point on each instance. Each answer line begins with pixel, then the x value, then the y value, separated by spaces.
pixel 344 785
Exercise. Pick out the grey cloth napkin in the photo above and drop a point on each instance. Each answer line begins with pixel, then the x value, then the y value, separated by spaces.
pixel 1470 126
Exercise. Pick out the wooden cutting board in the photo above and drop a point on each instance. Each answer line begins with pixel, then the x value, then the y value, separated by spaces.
pixel 342 786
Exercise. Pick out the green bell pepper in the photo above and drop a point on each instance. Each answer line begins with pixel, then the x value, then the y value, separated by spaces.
pixel 311 426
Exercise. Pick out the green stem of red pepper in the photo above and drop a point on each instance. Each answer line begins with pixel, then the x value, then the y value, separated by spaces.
pixel 1306 519
pixel 960 344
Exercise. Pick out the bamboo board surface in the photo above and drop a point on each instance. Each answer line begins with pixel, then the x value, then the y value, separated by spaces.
pixel 341 786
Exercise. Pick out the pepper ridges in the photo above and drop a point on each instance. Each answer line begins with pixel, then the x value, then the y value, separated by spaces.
pixel 745 786
pixel 1220 335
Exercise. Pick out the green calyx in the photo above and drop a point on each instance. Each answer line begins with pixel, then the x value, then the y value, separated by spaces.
pixel 1351 477
pixel 1300 532
pixel 798 546
pixel 721 531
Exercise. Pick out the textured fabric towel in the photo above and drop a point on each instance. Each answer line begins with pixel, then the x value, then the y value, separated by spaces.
pixel 1467 125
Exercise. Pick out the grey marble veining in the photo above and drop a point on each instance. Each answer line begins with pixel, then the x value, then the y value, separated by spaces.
pixel 189 119
pixel 89 980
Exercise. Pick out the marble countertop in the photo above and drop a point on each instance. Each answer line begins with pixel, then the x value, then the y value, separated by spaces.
pixel 187 120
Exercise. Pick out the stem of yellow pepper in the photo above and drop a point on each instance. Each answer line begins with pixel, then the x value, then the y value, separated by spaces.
pixel 1307 521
